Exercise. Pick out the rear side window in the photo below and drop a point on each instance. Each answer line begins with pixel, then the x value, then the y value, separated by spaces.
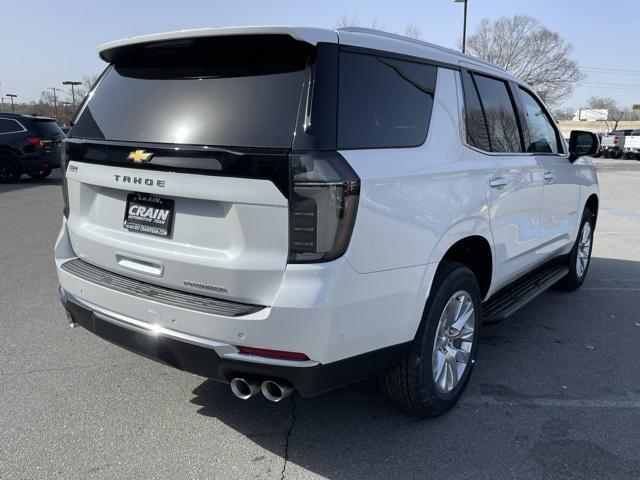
pixel 383 102
pixel 47 127
pixel 477 133
pixel 239 91
pixel 543 137
pixel 9 126
pixel 499 114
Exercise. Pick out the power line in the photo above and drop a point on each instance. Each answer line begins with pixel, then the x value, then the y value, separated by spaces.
pixel 612 84
pixel 611 74
pixel 611 69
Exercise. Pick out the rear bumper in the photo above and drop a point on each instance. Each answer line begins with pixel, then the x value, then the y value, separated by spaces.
pixel 220 361
pixel 37 162
pixel 350 325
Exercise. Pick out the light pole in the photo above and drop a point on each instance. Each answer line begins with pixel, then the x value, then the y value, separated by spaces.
pixel 73 92
pixel 12 96
pixel 464 24
pixel 55 101
pixel 65 111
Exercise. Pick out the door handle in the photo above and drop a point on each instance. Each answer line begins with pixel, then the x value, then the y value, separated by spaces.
pixel 549 176
pixel 498 182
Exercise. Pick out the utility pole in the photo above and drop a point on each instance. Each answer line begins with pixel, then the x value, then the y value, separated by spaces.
pixel 55 101
pixel 464 24
pixel 73 92
pixel 1 98
pixel 12 96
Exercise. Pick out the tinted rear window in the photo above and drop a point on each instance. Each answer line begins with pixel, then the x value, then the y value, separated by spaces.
pixel 383 102
pixel 500 115
pixel 224 91
pixel 46 127
pixel 477 134
pixel 8 125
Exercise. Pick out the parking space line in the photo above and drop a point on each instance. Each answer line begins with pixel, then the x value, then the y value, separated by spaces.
pixel 551 402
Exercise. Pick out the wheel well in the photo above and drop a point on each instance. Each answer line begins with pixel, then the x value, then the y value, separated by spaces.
pixel 475 253
pixel 592 204
pixel 4 152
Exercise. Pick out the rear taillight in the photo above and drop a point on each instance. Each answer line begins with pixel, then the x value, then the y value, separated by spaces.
pixel 36 142
pixel 63 167
pixel 322 206
pixel 615 139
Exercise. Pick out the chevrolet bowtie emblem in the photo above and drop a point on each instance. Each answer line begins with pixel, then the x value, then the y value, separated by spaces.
pixel 139 156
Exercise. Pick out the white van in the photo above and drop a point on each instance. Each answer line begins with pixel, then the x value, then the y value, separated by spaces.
pixel 294 209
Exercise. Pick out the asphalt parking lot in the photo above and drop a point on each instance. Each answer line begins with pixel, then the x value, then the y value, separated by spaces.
pixel 556 392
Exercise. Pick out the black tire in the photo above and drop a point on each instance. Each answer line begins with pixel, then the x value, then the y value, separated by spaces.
pixel 41 174
pixel 616 154
pixel 605 153
pixel 411 385
pixel 574 278
pixel 10 170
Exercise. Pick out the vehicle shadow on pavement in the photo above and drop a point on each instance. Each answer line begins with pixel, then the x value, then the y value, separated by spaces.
pixel 511 403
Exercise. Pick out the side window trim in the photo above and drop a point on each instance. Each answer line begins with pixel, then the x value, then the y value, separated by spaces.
pixel 16 122
pixel 542 106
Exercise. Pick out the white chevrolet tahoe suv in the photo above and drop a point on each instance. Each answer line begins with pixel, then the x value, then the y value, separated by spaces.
pixel 294 209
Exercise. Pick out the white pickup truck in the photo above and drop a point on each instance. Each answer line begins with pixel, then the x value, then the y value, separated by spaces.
pixel 612 144
pixel 632 145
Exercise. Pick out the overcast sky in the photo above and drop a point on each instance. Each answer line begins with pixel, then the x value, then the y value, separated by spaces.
pixel 43 42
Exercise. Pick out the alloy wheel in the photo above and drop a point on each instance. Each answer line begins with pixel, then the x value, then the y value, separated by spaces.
pixel 584 249
pixel 453 342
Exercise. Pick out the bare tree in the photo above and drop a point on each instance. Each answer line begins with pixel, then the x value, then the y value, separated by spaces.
pixel 347 20
pixel 530 51
pixel 602 103
pixel 412 31
pixel 614 115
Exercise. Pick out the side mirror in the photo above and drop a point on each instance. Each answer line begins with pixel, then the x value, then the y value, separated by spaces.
pixel 582 143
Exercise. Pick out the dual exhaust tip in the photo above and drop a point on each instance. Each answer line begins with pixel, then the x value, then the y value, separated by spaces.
pixel 272 390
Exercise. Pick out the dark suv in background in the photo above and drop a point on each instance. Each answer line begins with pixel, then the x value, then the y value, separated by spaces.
pixel 29 145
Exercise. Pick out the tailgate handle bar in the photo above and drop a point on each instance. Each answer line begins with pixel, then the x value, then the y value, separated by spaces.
pixel 140 265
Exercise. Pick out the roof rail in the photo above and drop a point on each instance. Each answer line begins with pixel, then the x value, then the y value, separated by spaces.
pixel 404 38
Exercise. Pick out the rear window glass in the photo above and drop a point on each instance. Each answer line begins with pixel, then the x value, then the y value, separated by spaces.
pixel 9 126
pixel 477 134
pixel 383 102
pixel 504 134
pixel 46 128
pixel 223 91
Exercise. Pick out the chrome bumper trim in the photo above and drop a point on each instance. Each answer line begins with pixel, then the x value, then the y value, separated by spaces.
pixel 223 349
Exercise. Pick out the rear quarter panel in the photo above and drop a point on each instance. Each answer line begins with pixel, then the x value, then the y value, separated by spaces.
pixel 417 202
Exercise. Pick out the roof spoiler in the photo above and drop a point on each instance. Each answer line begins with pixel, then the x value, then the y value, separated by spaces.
pixel 312 36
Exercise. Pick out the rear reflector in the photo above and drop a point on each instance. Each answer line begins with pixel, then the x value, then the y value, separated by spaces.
pixel 265 352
